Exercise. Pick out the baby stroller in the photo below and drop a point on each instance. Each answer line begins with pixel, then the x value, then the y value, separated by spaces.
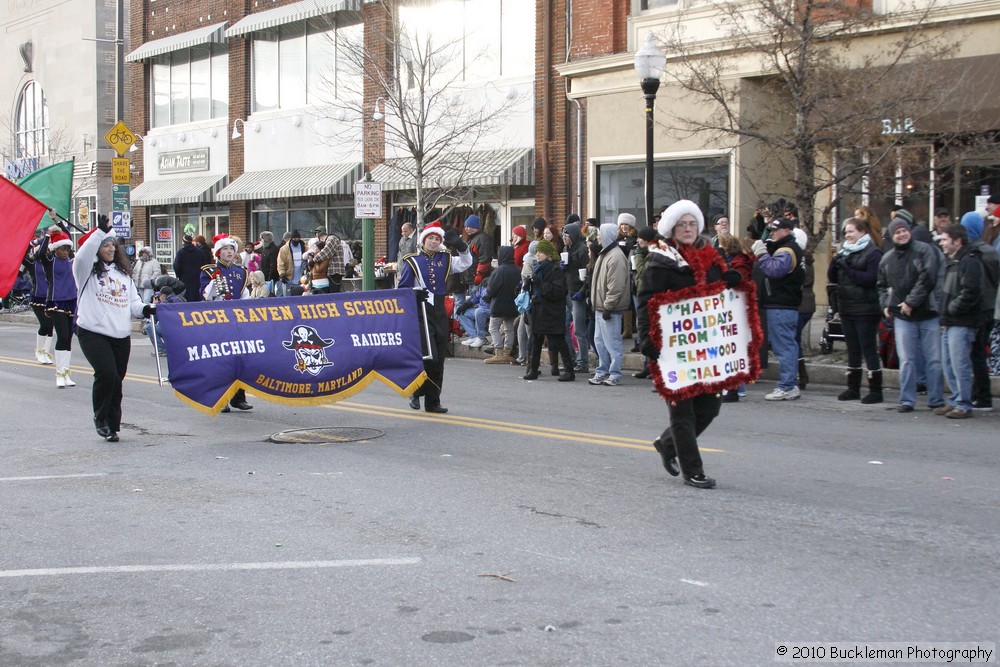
pixel 834 328
pixel 18 298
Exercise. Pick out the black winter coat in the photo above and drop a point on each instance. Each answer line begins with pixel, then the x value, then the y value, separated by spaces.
pixel 548 299
pixel 269 262
pixel 909 274
pixel 187 268
pixel 504 284
pixel 857 276
pixel 962 292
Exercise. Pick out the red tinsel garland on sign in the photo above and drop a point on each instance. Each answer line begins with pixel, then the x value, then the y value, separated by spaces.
pixel 701 260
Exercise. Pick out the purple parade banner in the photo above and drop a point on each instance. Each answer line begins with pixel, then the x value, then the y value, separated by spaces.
pixel 298 350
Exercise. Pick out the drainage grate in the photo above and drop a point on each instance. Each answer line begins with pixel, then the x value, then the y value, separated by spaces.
pixel 325 436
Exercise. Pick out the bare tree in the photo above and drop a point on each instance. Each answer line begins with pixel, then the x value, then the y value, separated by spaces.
pixel 411 89
pixel 834 77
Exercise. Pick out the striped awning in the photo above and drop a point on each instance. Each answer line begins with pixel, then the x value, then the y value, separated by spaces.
pixel 184 40
pixel 334 179
pixel 509 166
pixel 298 11
pixel 179 190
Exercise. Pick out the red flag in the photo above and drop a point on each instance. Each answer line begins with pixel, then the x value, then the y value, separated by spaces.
pixel 19 214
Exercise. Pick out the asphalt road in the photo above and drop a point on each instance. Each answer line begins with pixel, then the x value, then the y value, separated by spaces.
pixel 532 525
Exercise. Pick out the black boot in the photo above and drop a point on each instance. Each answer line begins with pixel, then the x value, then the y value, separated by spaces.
pixel 103 429
pixel 803 374
pixel 669 460
pixel 853 391
pixel 874 394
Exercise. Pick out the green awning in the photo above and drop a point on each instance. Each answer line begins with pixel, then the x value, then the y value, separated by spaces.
pixel 184 40
pixel 298 11
pixel 334 179
pixel 508 166
pixel 165 192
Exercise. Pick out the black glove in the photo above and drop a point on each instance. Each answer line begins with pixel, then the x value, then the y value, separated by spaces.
pixel 421 294
pixel 649 350
pixel 732 277
pixel 453 240
pixel 606 314
pixel 103 223
pixel 465 307
pixel 149 309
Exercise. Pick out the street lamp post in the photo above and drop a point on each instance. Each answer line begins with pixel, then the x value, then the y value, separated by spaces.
pixel 649 65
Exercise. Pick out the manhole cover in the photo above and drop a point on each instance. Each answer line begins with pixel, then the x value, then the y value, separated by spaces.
pixel 325 436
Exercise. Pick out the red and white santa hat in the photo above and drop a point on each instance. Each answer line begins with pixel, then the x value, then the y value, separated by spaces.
pixel 59 240
pixel 220 241
pixel 432 228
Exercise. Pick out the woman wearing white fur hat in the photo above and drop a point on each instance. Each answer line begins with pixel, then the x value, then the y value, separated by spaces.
pixel 682 259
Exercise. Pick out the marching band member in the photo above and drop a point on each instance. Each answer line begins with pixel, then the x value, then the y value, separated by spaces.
pixel 107 299
pixel 226 280
pixel 60 302
pixel 427 273
pixel 43 339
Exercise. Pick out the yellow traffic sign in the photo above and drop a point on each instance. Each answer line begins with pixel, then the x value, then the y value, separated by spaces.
pixel 120 137
pixel 120 171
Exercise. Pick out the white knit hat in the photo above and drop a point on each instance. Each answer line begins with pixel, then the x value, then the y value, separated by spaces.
pixel 674 213
pixel 626 219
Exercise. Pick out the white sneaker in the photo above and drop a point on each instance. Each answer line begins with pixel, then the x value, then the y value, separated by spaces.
pixel 477 342
pixel 468 341
pixel 783 394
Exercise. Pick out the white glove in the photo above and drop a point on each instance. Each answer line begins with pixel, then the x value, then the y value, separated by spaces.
pixel 759 248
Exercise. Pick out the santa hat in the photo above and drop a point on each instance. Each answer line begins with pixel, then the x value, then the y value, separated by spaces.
pixel 59 240
pixel 220 241
pixel 432 228
pixel 674 212
pixel 80 241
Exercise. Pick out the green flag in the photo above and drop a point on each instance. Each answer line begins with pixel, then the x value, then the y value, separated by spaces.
pixel 53 186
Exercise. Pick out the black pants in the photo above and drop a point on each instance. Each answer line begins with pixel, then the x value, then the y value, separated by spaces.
pixel 980 366
pixel 109 358
pixel 861 338
pixel 558 347
pixel 438 323
pixel 44 321
pixel 688 419
pixel 62 324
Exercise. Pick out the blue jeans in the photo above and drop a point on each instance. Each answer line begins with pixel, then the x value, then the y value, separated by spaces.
pixel 956 348
pixel 918 343
pixel 781 326
pixel 580 324
pixel 475 320
pixel 608 341
pixel 148 330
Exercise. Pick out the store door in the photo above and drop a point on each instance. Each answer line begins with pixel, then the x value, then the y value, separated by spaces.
pixel 212 225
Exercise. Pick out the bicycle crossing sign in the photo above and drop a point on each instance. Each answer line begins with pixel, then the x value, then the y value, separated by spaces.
pixel 120 137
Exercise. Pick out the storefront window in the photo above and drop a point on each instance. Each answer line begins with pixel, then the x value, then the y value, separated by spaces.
pixel 705 181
